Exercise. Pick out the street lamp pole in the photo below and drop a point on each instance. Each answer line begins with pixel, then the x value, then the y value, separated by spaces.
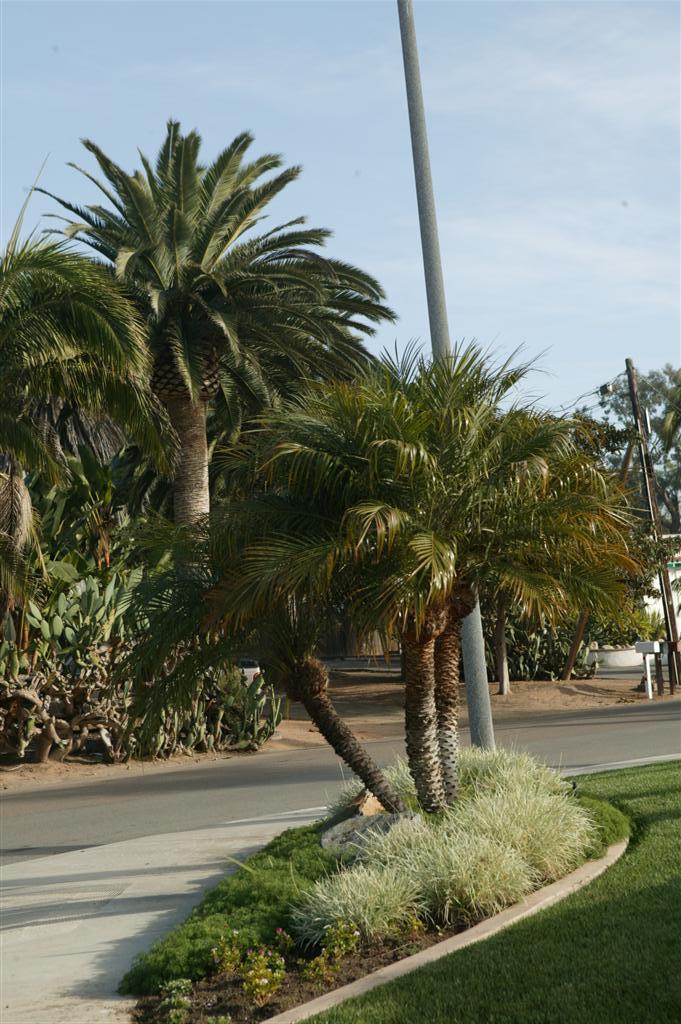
pixel 472 640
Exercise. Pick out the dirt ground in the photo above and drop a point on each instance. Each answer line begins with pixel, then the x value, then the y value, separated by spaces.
pixel 371 701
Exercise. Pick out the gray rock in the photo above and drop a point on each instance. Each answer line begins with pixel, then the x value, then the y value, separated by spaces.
pixel 346 836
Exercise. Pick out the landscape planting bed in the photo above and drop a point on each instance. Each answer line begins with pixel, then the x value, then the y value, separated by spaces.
pixel 291 885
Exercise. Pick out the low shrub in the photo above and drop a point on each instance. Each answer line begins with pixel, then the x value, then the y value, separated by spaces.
pixel 611 825
pixel 377 899
pixel 176 1003
pixel 494 771
pixel 263 972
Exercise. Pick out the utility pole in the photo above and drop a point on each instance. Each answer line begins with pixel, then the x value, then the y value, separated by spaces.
pixel 648 471
pixel 472 639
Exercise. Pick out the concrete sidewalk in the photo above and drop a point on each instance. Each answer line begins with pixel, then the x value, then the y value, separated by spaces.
pixel 70 924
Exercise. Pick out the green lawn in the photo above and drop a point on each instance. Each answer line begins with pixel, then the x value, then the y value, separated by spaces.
pixel 611 954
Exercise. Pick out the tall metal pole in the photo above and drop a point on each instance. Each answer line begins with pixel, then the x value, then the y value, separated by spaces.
pixel 472 639
pixel 648 471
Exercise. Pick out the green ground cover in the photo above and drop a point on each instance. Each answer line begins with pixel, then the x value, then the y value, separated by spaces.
pixel 609 954
pixel 255 900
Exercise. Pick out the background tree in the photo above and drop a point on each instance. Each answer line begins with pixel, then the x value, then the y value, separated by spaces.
pixel 67 333
pixel 659 395
pixel 230 311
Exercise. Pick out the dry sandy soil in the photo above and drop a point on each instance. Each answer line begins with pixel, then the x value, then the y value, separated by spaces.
pixel 372 704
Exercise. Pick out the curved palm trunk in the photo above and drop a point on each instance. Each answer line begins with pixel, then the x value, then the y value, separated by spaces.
pixel 308 682
pixel 191 496
pixel 500 650
pixel 421 725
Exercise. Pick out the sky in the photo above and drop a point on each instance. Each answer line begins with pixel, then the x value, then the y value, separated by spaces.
pixel 554 134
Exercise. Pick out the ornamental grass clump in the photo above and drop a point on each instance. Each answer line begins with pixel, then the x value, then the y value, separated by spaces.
pixel 552 833
pixel 494 771
pixel 480 771
pixel 461 876
pixel 378 900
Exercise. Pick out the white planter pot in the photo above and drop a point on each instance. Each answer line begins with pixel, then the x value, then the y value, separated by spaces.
pixel 615 657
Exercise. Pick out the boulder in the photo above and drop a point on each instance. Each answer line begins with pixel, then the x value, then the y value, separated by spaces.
pixel 346 836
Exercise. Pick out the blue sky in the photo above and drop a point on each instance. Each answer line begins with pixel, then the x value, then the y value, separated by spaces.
pixel 554 131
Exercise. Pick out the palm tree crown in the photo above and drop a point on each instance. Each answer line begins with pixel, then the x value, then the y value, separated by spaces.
pixel 226 306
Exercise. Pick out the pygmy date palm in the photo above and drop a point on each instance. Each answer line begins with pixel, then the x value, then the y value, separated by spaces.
pixel 223 302
pixel 403 486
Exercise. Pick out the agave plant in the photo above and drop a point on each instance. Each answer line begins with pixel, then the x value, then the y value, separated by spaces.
pixel 230 311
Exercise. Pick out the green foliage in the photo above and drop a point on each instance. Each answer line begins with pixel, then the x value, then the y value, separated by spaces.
pixel 612 825
pixel 625 629
pixel 227 953
pixel 263 972
pixel 659 395
pixel 535 651
pixel 176 1002
pixel 255 901
pixel 341 938
pixel 76 624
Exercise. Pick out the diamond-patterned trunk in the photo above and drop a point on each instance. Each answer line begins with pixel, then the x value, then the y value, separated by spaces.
pixel 191 495
pixel 421 726
pixel 447 685
pixel 447 653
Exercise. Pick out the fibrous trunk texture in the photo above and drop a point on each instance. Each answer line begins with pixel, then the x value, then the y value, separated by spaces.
pixel 447 682
pixel 16 511
pixel 421 727
pixel 500 650
pixel 308 683
pixel 191 496
pixel 447 655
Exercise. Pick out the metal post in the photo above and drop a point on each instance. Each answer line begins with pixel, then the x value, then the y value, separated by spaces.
pixel 480 721
pixel 472 640
pixel 430 243
pixel 648 471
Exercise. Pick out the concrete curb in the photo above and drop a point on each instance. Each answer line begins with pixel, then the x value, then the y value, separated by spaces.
pixel 539 900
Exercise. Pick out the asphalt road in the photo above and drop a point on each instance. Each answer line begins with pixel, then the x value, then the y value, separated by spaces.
pixel 50 820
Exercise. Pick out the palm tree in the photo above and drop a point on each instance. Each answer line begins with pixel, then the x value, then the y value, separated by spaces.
pixel 67 333
pixel 225 305
pixel 402 485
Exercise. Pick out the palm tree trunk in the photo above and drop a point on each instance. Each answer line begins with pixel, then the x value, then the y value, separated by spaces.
pixel 191 496
pixel 421 725
pixel 447 677
pixel 447 682
pixel 308 682
pixel 500 649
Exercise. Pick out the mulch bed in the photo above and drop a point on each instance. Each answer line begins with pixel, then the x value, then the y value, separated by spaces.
pixel 222 994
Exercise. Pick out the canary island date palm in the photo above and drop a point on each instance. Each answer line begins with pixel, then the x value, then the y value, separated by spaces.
pixel 224 302
pixel 67 334
pixel 401 485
